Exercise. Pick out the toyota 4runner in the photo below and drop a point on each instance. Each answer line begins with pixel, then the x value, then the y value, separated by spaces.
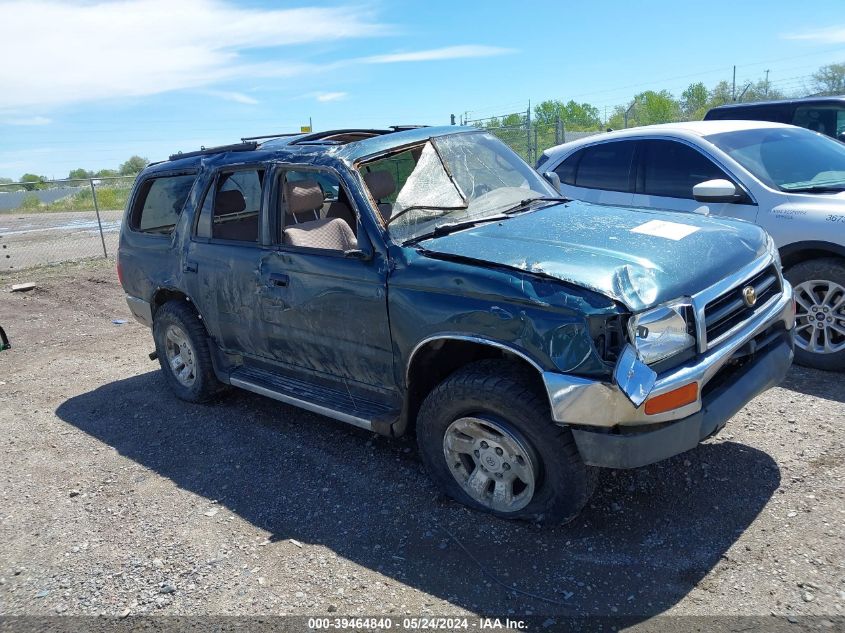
pixel 427 280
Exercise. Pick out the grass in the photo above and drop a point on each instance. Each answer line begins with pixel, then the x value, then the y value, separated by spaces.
pixel 108 198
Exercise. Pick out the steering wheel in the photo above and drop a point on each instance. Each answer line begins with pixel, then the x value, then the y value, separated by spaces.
pixel 480 189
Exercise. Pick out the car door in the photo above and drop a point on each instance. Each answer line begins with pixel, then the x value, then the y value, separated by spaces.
pixel 600 173
pixel 668 170
pixel 323 288
pixel 222 258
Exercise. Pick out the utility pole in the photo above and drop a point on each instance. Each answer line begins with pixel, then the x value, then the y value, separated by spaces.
pixel 733 87
pixel 528 130
pixel 767 82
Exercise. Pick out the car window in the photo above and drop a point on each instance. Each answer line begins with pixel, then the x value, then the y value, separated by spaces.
pixel 606 166
pixel 788 158
pixel 237 205
pixel 672 169
pixel 316 212
pixel 566 170
pixel 828 120
pixel 160 203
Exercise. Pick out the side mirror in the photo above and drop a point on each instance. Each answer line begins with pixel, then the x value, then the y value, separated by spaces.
pixel 719 190
pixel 553 179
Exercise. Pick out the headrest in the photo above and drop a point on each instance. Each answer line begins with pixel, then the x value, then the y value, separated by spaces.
pixel 303 195
pixel 229 202
pixel 380 183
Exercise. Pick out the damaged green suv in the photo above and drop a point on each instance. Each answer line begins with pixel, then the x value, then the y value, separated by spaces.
pixel 428 281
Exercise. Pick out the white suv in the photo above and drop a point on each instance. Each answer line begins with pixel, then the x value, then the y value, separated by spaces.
pixel 787 179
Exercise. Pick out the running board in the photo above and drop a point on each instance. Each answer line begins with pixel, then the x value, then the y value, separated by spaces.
pixel 332 403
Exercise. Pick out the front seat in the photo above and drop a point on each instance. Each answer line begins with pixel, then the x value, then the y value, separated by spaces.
pixel 381 185
pixel 304 199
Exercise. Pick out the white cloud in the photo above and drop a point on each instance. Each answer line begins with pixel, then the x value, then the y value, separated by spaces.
pixel 436 54
pixel 32 120
pixel 331 96
pixel 90 51
pixel 237 97
pixel 830 35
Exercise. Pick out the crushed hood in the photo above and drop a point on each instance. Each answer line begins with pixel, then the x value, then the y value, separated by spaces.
pixel 638 257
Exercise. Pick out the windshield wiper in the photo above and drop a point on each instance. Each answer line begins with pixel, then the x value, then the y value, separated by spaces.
pixel 450 227
pixel 524 204
pixel 816 189
pixel 420 207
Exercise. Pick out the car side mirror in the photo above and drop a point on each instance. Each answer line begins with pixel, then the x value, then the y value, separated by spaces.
pixel 553 178
pixel 718 190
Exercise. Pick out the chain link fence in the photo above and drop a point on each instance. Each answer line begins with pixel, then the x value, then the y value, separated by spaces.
pixel 53 221
pixel 527 137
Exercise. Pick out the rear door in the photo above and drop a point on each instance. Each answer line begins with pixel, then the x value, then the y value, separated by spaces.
pixel 668 170
pixel 600 173
pixel 222 259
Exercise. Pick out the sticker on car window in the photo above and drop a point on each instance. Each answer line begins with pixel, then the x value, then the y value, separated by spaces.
pixel 669 230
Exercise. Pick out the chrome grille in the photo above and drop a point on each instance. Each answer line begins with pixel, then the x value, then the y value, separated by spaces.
pixel 730 309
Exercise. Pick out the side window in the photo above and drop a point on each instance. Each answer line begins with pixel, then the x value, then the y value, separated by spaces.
pixel 316 212
pixel 825 119
pixel 160 203
pixel 672 169
pixel 606 166
pixel 566 170
pixel 236 209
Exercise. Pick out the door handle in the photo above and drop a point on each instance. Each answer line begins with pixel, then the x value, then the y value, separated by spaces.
pixel 190 267
pixel 278 279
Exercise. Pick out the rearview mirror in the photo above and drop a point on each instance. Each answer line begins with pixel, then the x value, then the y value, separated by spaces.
pixel 553 179
pixel 719 190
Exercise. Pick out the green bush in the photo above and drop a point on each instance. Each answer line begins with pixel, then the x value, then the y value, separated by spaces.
pixel 30 202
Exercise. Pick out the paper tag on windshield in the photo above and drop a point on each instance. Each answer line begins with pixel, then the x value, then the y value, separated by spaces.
pixel 669 230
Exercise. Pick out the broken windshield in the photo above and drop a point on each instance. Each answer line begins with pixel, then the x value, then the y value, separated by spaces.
pixel 464 177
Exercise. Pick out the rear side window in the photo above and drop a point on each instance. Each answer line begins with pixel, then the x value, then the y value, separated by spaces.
pixel 826 119
pixel 672 169
pixel 160 203
pixel 237 206
pixel 606 166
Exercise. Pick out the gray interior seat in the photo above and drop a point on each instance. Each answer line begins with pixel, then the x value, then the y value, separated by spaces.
pixel 328 233
pixel 244 229
pixel 381 185
pixel 304 200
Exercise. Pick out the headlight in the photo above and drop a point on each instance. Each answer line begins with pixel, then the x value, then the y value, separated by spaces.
pixel 661 332
pixel 773 250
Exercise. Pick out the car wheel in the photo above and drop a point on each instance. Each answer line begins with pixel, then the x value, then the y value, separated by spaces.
pixel 182 347
pixel 487 439
pixel 819 286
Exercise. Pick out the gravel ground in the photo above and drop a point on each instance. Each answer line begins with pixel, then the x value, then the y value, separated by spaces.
pixel 117 498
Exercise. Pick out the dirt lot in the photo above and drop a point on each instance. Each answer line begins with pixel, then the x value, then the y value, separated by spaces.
pixel 117 498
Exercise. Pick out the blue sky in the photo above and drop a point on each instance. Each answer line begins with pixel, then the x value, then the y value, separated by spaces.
pixel 87 84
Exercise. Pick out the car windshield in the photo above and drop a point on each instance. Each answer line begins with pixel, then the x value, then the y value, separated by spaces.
pixel 789 159
pixel 459 178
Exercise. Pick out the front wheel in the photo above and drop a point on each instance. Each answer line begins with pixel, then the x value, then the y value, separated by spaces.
pixel 487 439
pixel 819 286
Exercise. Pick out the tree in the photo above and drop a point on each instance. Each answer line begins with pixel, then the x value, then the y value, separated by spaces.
pixel 133 166
pixel 33 182
pixel 829 80
pixel 694 101
pixel 79 174
pixel 573 115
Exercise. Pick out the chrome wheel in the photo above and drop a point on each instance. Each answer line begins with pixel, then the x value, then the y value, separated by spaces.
pixel 180 355
pixel 820 316
pixel 491 462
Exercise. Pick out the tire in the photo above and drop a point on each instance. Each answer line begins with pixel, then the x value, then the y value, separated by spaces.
pixel 819 285
pixel 191 375
pixel 488 398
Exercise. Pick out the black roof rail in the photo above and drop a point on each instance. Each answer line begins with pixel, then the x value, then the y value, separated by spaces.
pixel 244 139
pixel 234 147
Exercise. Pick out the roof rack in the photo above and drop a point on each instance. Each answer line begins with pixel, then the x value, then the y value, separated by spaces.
pixel 266 136
pixel 235 147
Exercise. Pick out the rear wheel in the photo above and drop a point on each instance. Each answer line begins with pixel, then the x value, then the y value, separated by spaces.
pixel 487 439
pixel 182 347
pixel 819 286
